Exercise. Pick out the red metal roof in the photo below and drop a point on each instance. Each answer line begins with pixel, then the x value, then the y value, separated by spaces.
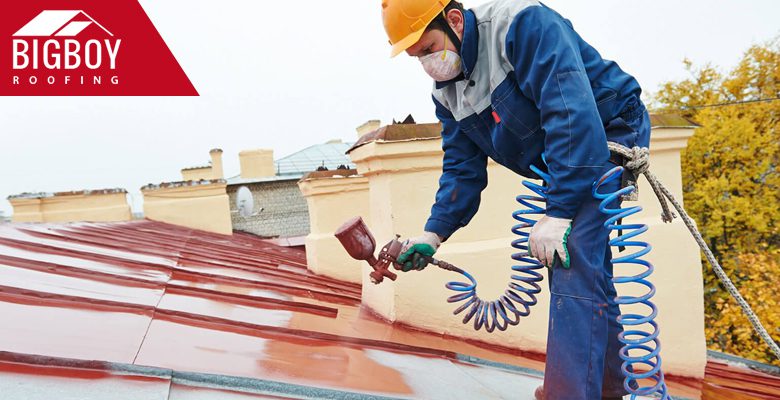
pixel 173 310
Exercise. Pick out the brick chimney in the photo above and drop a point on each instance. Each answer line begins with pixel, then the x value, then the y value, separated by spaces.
pixel 257 163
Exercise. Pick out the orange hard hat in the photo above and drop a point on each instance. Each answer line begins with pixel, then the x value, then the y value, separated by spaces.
pixel 405 20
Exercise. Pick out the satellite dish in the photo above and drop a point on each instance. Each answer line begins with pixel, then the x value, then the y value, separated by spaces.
pixel 245 203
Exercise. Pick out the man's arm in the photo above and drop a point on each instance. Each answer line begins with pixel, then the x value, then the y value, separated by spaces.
pixel 464 176
pixel 544 50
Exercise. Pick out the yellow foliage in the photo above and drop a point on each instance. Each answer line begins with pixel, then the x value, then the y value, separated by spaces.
pixel 727 328
pixel 732 189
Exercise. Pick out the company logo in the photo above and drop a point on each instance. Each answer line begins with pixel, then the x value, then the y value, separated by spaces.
pixel 101 48
pixel 62 52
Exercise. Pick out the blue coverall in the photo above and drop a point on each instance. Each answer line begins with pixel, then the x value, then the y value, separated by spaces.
pixel 532 85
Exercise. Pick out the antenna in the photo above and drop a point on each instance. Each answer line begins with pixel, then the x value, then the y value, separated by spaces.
pixel 245 203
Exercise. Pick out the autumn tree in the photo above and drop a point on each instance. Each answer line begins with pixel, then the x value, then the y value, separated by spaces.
pixel 732 188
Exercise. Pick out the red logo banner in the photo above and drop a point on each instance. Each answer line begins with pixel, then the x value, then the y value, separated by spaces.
pixel 85 48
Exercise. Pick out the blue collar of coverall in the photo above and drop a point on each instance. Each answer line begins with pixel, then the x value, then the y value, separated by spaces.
pixel 468 48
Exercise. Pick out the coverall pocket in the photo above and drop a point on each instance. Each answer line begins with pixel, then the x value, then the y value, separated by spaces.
pixel 515 111
pixel 606 100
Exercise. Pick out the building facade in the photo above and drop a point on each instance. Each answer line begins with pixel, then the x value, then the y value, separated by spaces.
pixel 279 208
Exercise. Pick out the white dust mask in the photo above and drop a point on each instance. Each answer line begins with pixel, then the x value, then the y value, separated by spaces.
pixel 442 65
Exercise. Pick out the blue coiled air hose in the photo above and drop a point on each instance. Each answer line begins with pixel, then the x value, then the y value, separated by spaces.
pixel 517 300
pixel 641 349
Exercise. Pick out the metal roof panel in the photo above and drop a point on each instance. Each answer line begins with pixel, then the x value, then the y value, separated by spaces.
pixel 239 316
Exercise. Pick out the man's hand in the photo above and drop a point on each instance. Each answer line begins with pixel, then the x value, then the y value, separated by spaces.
pixel 414 250
pixel 548 237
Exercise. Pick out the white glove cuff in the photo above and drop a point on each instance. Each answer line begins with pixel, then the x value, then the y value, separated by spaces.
pixel 433 239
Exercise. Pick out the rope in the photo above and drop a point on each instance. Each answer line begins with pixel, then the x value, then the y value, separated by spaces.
pixel 638 161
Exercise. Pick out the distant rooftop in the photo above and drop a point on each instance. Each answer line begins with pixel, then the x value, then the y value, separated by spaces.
pixel 671 121
pixel 330 155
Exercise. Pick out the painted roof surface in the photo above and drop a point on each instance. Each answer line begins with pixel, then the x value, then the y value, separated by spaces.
pixel 149 310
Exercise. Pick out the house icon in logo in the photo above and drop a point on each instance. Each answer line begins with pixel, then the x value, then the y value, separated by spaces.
pixel 60 23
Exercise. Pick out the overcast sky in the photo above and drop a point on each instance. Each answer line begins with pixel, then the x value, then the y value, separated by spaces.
pixel 286 74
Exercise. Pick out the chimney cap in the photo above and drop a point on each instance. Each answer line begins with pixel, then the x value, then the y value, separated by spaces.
pixel 215 151
pixel 178 184
pixel 368 126
pixel 30 195
pixel 88 192
pixel 255 151
pixel 197 167
pixel 400 132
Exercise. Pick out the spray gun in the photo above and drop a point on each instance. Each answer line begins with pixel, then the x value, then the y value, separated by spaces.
pixel 360 244
pixel 496 314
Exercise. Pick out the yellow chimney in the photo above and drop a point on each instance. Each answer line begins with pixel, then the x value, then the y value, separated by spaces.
pixel 257 163
pixel 216 164
pixel 195 173
pixel 368 127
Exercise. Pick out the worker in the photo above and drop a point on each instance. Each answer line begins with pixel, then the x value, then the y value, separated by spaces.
pixel 516 83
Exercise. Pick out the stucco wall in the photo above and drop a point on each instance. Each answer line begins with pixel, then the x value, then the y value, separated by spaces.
pixel 73 206
pixel 483 249
pixel 196 174
pixel 332 200
pixel 257 163
pixel 26 210
pixel 200 205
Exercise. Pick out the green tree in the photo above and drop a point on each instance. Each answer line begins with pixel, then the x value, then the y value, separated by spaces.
pixel 732 188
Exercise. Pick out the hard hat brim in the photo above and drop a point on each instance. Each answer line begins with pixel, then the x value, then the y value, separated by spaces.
pixel 406 42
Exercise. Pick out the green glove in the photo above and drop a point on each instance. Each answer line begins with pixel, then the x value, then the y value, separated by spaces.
pixel 415 250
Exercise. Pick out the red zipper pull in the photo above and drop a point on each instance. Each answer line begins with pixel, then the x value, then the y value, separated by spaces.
pixel 496 117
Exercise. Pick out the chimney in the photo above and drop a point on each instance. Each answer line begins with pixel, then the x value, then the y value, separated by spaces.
pixel 216 164
pixel 257 163
pixel 368 127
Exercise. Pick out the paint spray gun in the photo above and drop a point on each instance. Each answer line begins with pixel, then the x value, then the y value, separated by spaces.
pixel 489 314
pixel 360 244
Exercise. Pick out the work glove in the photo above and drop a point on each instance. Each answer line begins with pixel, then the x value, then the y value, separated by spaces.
pixel 414 251
pixel 549 237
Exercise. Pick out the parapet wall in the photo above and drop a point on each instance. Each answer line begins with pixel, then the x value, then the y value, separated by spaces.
pixel 103 205
pixel 200 205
